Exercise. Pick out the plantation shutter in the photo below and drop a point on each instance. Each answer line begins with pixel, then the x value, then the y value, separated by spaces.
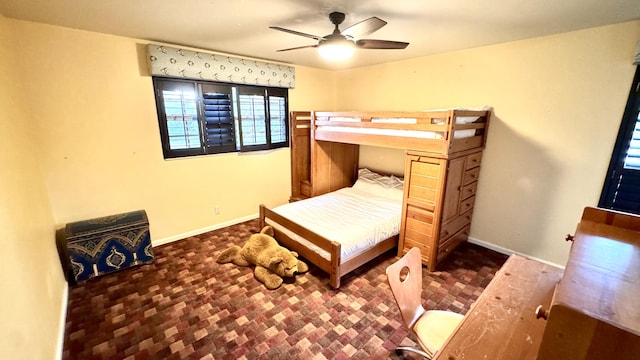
pixel 632 161
pixel 252 119
pixel 621 189
pixel 625 194
pixel 178 108
pixel 219 126
pixel 278 111
pixel 262 116
pixel 198 117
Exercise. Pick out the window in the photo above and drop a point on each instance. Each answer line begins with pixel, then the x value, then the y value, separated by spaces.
pixel 201 117
pixel 621 189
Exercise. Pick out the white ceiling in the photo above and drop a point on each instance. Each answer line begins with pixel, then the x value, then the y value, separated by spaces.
pixel 241 27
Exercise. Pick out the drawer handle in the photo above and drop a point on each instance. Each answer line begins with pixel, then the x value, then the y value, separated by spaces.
pixel 541 312
pixel 569 237
pixel 445 233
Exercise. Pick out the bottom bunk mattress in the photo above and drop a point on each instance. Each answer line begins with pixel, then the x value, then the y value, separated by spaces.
pixel 356 219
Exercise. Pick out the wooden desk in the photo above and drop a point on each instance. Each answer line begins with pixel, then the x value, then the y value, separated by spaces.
pixel 502 323
pixel 593 311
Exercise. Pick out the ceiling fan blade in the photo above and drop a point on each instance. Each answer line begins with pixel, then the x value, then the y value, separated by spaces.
pixel 296 32
pixel 298 47
pixel 380 44
pixel 364 27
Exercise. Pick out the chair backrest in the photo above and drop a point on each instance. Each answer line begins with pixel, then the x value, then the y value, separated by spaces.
pixel 405 279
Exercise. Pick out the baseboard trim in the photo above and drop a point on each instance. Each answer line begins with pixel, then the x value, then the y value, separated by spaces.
pixel 63 321
pixel 506 251
pixel 177 237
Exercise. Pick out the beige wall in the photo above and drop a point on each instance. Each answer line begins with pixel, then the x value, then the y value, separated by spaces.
pixel 32 287
pixel 558 102
pixel 99 127
pixel 89 146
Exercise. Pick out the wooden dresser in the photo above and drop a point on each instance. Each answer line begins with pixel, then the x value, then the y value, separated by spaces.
pixel 534 311
pixel 438 203
pixel 595 311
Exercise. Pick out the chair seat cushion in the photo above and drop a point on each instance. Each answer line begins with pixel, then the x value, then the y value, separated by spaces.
pixel 434 327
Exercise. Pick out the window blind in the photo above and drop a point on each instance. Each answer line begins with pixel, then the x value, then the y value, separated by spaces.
pixel 621 190
pixel 278 112
pixel 627 190
pixel 218 118
pixel 203 117
pixel 253 128
pixel 632 160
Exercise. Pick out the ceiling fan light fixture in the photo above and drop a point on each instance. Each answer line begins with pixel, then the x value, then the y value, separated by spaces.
pixel 337 50
pixel 340 45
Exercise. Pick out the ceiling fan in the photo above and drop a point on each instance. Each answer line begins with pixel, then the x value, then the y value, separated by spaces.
pixel 340 45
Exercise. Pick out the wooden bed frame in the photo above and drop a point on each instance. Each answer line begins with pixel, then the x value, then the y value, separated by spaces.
pixel 335 267
pixel 323 161
pixel 424 122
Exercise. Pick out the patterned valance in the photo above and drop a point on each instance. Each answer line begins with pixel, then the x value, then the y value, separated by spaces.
pixel 183 63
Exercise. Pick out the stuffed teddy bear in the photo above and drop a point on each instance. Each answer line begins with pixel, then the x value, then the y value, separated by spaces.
pixel 272 261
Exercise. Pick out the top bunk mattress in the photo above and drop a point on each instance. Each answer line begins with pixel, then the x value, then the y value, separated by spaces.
pixel 356 219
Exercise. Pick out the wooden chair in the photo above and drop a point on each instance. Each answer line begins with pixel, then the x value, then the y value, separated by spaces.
pixel 432 327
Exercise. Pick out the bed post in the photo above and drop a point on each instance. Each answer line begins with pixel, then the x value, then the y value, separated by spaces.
pixel 336 271
pixel 262 223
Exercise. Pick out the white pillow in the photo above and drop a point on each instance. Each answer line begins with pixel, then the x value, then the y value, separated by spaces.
pixel 375 178
pixel 391 193
pixel 369 187
pixel 388 187
pixel 398 182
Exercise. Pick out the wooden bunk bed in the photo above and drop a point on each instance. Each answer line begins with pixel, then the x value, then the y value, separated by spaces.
pixel 443 150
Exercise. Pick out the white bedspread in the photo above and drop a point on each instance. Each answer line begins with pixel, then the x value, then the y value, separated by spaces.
pixel 356 219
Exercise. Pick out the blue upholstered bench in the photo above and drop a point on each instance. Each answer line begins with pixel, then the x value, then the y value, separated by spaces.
pixel 103 245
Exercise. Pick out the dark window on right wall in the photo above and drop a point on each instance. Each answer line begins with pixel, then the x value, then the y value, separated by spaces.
pixel 621 189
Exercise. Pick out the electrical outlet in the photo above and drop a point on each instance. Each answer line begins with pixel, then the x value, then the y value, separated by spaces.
pixel 217 210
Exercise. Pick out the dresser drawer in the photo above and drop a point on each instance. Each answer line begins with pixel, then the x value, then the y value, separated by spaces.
pixel 422 194
pixel 419 214
pixel 471 176
pixel 414 237
pixel 473 160
pixel 424 169
pixel 450 244
pixel 455 225
pixel 418 228
pixel 425 247
pixel 424 181
pixel 467 204
pixel 468 190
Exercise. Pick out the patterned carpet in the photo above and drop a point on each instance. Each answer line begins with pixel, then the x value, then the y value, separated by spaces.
pixel 187 306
